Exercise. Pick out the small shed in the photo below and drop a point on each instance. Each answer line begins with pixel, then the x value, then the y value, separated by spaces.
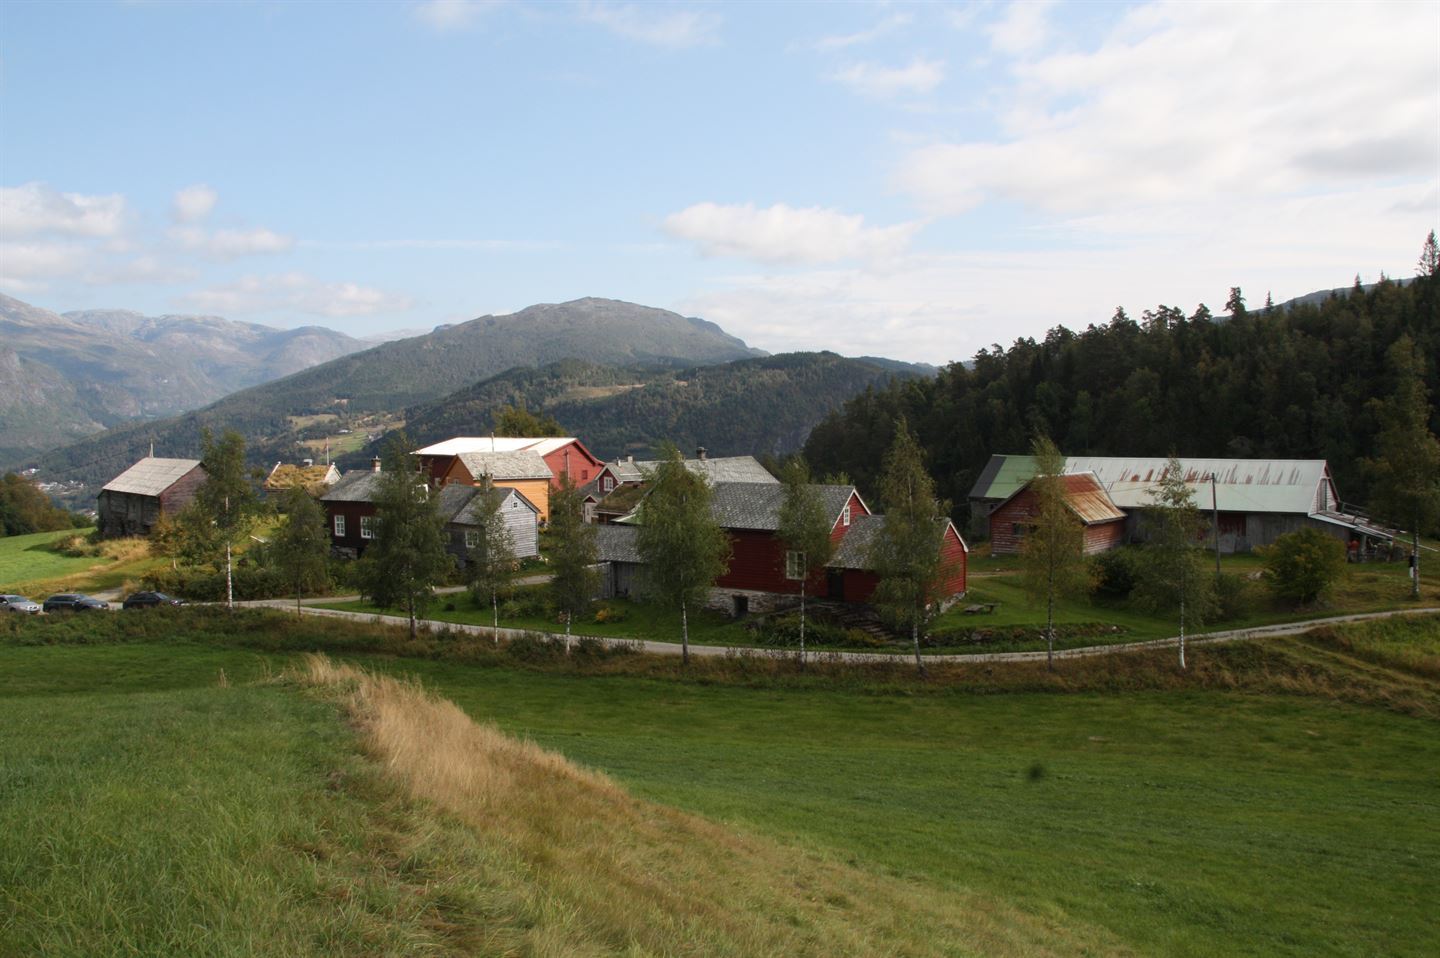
pixel 133 502
pixel 622 568
pixel 1086 498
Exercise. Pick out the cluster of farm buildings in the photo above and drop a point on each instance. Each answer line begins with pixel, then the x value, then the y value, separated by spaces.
pixel 1252 502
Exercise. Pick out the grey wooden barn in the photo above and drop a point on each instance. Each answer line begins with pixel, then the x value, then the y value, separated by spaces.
pixel 133 502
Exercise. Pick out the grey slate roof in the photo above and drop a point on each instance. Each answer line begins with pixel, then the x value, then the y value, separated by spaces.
pixel 455 499
pixel 854 550
pixel 357 486
pixel 150 476
pixel 503 466
pixel 721 469
pixel 617 543
pixel 756 505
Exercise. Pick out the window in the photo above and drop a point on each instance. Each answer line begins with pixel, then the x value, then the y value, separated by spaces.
pixel 367 527
pixel 472 538
pixel 608 483
pixel 794 565
pixel 339 527
pixel 845 516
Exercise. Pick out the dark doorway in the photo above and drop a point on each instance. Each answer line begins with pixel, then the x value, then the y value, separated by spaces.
pixel 835 584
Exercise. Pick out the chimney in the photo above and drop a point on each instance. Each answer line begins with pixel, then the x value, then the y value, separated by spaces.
pixel 307 462
pixel 375 464
pixel 700 453
pixel 630 458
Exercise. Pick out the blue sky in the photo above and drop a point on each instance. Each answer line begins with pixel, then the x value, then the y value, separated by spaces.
pixel 917 181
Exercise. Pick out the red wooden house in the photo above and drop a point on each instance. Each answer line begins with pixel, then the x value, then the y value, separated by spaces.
pixel 1104 522
pixel 562 455
pixel 762 572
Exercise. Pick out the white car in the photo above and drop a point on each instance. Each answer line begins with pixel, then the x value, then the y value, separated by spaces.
pixel 18 603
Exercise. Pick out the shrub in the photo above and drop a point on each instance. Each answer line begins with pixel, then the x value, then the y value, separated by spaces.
pixel 1234 596
pixel 609 613
pixel 1116 572
pixel 535 648
pixel 202 585
pixel 1301 566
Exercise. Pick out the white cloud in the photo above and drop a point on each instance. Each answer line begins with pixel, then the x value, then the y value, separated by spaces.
pixel 194 203
pixel 1024 27
pixel 844 41
pixel 35 209
pixel 294 292
pixel 940 307
pixel 874 80
pixel 454 14
pixel 657 25
pixel 1196 104
pixel 27 266
pixel 227 244
pixel 785 234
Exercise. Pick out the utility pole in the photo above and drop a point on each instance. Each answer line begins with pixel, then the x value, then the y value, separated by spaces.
pixel 1215 524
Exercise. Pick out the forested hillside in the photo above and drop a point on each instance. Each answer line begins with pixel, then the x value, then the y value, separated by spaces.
pixel 1289 383
pixel 394 375
pixel 754 406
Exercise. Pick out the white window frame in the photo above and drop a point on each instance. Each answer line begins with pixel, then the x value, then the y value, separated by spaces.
pixel 367 527
pixel 608 484
pixel 794 565
pixel 339 525
pixel 845 516
pixel 472 538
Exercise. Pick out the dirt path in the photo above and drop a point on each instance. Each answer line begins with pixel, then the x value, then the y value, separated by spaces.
pixel 674 648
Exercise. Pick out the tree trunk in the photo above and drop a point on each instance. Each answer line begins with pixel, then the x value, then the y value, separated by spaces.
pixel 915 640
pixel 495 608
pixel 802 622
pixel 229 580
pixel 297 596
pixel 684 636
pixel 410 607
pixel 1415 560
pixel 1182 623
pixel 1050 631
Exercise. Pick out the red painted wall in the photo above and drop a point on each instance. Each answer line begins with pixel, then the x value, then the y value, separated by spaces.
pixel 859 584
pixel 1004 541
pixel 352 511
pixel 575 458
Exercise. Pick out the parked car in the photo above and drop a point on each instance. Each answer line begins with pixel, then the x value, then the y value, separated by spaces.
pixel 74 602
pixel 18 603
pixel 146 600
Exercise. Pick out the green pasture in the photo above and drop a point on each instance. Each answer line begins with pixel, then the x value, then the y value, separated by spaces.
pixel 147 808
pixel 30 559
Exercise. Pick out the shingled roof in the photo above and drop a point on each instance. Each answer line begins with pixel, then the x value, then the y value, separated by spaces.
pixel 756 505
pixel 722 469
pixel 150 476
pixel 854 550
pixel 506 466
pixel 357 486
pixel 617 544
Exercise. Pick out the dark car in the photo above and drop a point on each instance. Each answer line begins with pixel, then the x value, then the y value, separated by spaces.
pixel 147 600
pixel 18 603
pixel 74 602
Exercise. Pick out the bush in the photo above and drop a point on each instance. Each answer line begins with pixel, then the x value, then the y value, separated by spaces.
pixel 535 648
pixel 1234 596
pixel 201 585
pixel 1116 572
pixel 609 613
pixel 526 603
pixel 784 632
pixel 1301 566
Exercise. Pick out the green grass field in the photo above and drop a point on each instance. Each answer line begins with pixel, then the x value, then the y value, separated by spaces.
pixel 1175 817
pixel 29 559
pixel 1015 625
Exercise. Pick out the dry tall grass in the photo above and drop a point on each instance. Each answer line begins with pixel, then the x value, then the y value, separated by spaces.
pixel 576 866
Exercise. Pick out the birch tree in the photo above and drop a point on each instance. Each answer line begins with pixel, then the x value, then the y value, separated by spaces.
pixel 225 500
pixel 491 557
pixel 407 557
pixel 1407 470
pixel 906 552
pixel 683 547
pixel 1172 577
pixel 805 529
pixel 573 578
pixel 300 548
pixel 1052 554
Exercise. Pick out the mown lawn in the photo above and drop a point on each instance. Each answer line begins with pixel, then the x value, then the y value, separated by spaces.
pixel 145 809
pixel 30 566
